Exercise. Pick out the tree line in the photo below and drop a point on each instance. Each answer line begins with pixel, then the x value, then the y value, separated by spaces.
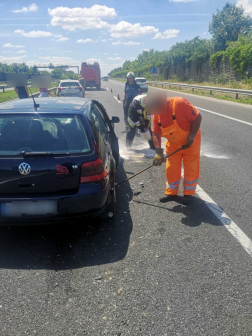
pixel 231 40
pixel 22 68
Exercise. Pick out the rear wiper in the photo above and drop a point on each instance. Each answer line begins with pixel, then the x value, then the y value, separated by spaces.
pixel 42 154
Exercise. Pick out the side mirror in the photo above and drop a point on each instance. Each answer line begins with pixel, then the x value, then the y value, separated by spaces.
pixel 115 120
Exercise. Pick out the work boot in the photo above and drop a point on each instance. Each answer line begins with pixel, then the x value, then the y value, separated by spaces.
pixel 128 143
pixel 151 144
pixel 168 198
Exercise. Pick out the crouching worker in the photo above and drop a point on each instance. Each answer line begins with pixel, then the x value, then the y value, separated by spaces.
pixel 180 125
pixel 139 119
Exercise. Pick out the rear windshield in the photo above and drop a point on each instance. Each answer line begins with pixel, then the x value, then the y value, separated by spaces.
pixel 65 84
pixel 42 133
pixel 142 80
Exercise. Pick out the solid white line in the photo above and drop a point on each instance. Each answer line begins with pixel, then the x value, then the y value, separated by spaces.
pixel 117 100
pixel 224 116
pixel 200 108
pixel 230 225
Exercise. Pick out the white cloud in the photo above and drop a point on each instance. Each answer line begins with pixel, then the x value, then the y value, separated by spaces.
pixel 63 39
pixel 33 33
pixel 114 59
pixel 82 18
pixel 204 33
pixel 16 59
pixel 167 34
pixel 105 53
pixel 104 40
pixel 126 43
pixel 67 51
pixel 116 54
pixel 88 40
pixel 128 30
pixel 246 4
pixel 181 0
pixel 146 50
pixel 21 52
pixel 32 8
pixel 9 45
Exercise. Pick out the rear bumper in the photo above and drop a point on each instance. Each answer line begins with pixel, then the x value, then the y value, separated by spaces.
pixel 69 208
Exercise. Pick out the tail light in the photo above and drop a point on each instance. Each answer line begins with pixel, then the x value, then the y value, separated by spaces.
pixel 78 88
pixel 92 171
pixel 146 83
pixel 60 88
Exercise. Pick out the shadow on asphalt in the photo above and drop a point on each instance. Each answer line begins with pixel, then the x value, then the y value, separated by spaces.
pixel 195 213
pixel 70 246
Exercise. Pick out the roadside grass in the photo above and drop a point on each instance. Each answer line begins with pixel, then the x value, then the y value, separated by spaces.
pixel 10 95
pixel 205 93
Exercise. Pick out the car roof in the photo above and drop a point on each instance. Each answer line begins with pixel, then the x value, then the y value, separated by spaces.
pixel 57 104
pixel 139 78
pixel 69 80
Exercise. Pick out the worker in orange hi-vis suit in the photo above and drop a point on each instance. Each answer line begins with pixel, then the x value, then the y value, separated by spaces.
pixel 180 125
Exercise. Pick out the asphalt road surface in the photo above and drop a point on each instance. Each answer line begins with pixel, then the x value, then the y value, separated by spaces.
pixel 155 269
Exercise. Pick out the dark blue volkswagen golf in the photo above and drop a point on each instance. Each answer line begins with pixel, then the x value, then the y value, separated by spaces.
pixel 57 161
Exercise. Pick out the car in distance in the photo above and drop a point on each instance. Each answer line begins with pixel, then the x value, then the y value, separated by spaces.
pixel 58 162
pixel 141 81
pixel 105 79
pixel 70 88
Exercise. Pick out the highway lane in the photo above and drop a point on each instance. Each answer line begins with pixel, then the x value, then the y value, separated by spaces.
pixel 226 155
pixel 154 270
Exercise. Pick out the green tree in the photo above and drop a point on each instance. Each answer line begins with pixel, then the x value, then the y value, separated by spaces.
pixel 228 24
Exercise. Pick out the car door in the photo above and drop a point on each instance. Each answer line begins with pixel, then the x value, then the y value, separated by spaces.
pixel 112 138
pixel 101 135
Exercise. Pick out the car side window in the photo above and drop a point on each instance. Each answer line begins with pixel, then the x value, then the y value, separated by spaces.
pixel 99 122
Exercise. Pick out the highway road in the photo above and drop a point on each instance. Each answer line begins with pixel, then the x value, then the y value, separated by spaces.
pixel 156 269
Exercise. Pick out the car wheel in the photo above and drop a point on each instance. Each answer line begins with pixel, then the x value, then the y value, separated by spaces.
pixel 109 212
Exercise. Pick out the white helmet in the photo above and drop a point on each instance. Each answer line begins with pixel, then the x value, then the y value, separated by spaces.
pixel 130 74
pixel 146 135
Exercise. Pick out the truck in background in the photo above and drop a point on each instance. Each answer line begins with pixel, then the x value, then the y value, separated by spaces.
pixel 92 74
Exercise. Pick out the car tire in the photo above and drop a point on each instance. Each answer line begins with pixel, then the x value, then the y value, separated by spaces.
pixel 109 212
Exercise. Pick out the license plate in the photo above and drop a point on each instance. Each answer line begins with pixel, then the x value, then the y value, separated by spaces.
pixel 18 209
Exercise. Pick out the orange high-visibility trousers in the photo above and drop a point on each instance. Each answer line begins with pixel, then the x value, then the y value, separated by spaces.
pixel 191 162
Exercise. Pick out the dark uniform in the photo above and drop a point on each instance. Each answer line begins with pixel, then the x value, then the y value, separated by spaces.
pixel 131 91
pixel 138 119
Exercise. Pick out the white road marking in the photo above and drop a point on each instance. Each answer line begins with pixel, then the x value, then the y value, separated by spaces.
pixel 224 116
pixel 117 100
pixel 230 225
pixel 219 114
pixel 107 88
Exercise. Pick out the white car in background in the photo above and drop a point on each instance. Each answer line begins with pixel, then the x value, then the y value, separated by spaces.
pixel 70 88
pixel 141 81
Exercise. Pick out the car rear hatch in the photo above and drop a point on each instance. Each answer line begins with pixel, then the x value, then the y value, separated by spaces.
pixel 70 89
pixel 41 154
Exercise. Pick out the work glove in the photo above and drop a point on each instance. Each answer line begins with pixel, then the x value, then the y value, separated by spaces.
pixel 159 157
pixel 189 141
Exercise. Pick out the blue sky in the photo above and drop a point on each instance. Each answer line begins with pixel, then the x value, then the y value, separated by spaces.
pixel 69 32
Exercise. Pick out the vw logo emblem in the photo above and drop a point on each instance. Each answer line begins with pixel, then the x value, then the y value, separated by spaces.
pixel 24 168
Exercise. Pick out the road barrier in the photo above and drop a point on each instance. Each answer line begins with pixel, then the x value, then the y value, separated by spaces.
pixel 206 88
